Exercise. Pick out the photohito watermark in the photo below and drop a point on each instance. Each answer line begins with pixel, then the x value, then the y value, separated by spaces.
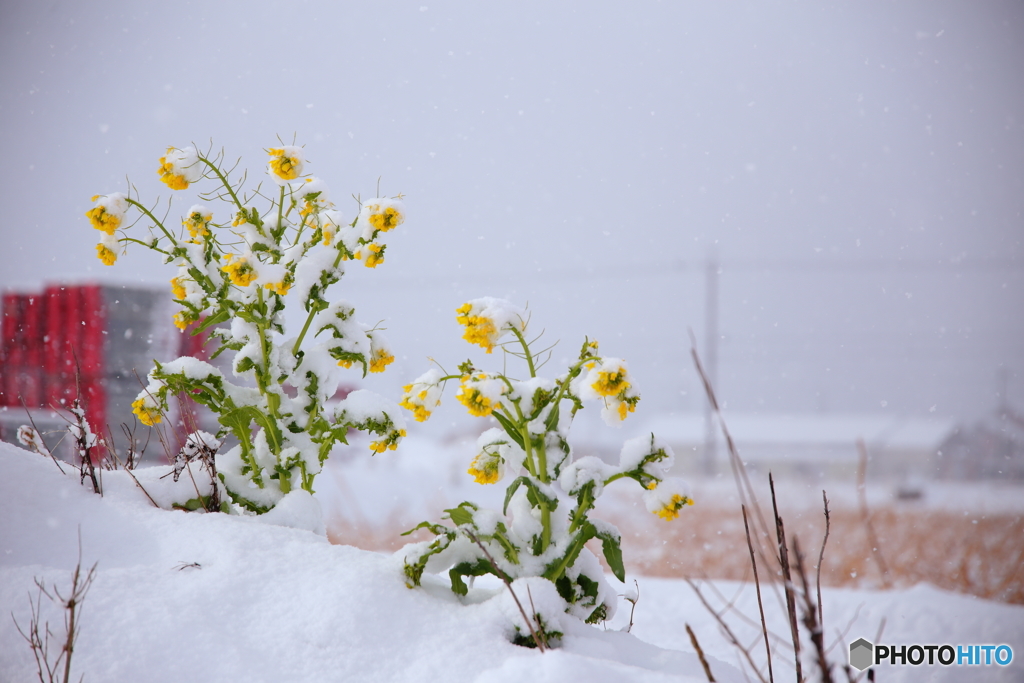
pixel 864 653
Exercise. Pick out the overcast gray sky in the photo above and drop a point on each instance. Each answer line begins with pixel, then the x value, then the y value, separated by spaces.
pixel 857 169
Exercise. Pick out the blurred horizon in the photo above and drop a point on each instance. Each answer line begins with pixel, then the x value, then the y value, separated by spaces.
pixel 856 173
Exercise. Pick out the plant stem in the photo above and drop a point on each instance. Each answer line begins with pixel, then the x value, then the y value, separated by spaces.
pixel 526 350
pixel 224 181
pixel 153 218
pixel 313 310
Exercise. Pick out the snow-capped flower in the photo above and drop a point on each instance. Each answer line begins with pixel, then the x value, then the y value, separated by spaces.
pixel 390 442
pixel 198 221
pixel 372 255
pixel 105 254
pixel 487 319
pixel 385 218
pixel 178 288
pixel 107 249
pixel 380 356
pixel 423 395
pixel 486 468
pixel 147 410
pixel 314 197
pixel 330 223
pixel 608 381
pixel 184 318
pixel 667 498
pixel 108 212
pixel 179 167
pixel 481 393
pixel 497 455
pixel 280 287
pixel 285 163
pixel 379 214
pixel 239 269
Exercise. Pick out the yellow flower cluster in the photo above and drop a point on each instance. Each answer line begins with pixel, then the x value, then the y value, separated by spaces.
pixel 239 270
pixel 286 162
pixel 474 395
pixel 389 443
pixel 146 411
pixel 178 288
pixel 380 360
pixel 198 222
pixel 480 330
pixel 106 254
pixel 422 396
pixel 670 510
pixel 169 172
pixel 385 219
pixel 610 382
pixel 101 219
pixel 373 256
pixel 485 468
pixel 281 287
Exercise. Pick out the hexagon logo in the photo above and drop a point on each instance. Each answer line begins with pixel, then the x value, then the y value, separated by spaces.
pixel 862 652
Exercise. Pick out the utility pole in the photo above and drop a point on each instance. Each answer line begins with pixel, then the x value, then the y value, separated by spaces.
pixel 710 454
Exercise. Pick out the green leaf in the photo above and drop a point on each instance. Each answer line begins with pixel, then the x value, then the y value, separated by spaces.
pixel 552 420
pixel 613 554
pixel 215 319
pixel 436 529
pixel 510 490
pixel 478 568
pixel 461 515
pixel 509 428
pixel 556 569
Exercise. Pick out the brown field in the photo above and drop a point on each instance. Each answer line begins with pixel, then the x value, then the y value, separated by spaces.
pixel 980 555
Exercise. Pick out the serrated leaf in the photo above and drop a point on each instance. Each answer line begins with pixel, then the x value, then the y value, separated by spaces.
pixel 460 515
pixel 509 428
pixel 613 554
pixel 510 490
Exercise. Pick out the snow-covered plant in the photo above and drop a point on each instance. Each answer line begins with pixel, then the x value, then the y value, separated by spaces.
pixel 236 276
pixel 545 522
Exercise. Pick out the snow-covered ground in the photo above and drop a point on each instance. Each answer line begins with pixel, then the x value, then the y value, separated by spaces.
pixel 181 596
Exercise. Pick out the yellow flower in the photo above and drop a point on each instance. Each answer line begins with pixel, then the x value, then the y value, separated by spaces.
pixel 178 288
pixel 625 408
pixel 179 167
pixel 240 271
pixel 485 468
pixel 388 444
pixel 286 162
pixel 345 363
pixel 181 320
pixel 105 254
pixel 101 220
pixel 198 222
pixel 147 413
pixel 375 257
pixel 380 360
pixel 281 287
pixel 423 395
pixel 480 330
pixel 385 219
pixel 610 382
pixel 671 509
pixel 471 394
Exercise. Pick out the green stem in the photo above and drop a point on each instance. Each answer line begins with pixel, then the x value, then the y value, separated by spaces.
pixel 153 218
pixel 224 181
pixel 280 215
pixel 313 310
pixel 526 350
pixel 146 244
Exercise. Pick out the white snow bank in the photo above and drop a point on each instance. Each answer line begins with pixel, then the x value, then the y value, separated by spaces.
pixel 184 596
